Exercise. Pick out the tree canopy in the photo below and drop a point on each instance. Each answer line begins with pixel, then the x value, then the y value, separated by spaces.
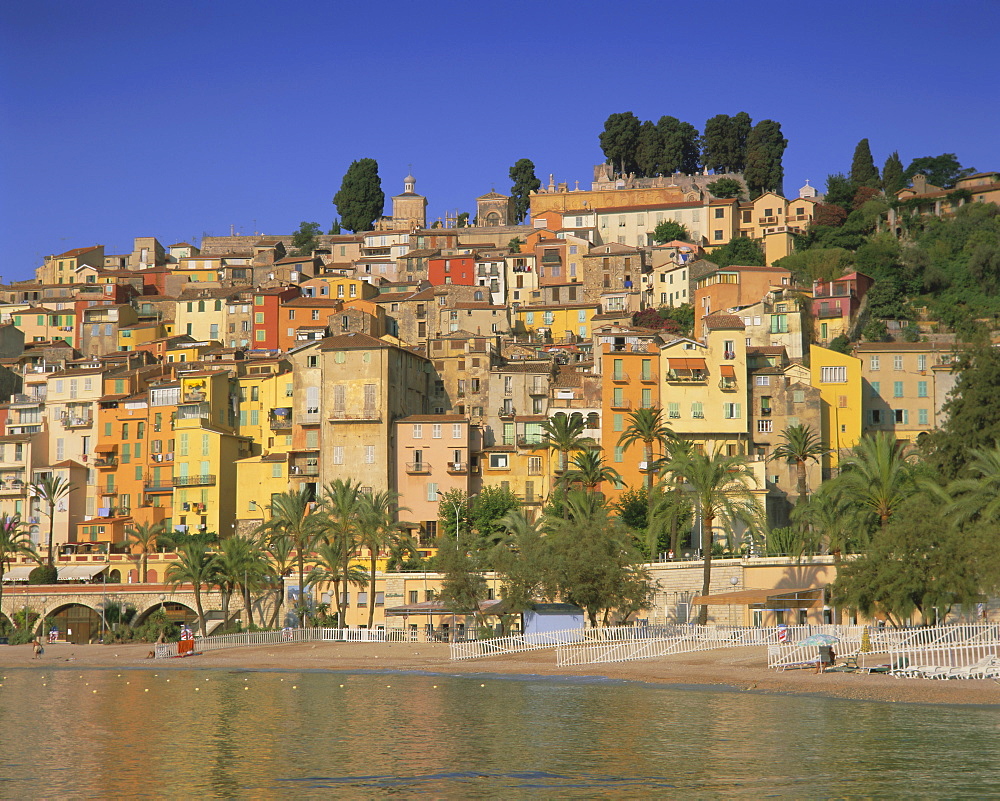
pixel 620 139
pixel 740 250
pixel 764 150
pixel 726 188
pixel 305 239
pixel 360 200
pixel 944 170
pixel 863 169
pixel 668 231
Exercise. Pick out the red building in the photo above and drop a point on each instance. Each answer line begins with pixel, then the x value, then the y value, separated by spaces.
pixel 840 298
pixel 443 270
pixel 267 314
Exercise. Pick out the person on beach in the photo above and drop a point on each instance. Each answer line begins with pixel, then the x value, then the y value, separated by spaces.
pixel 37 648
pixel 826 657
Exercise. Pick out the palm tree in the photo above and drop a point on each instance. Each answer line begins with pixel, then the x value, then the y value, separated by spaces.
pixel 977 497
pixel 834 520
pixel 589 469
pixel 280 553
pixel 378 517
pixel 677 449
pixel 13 542
pixel 722 488
pixel 799 446
pixel 646 426
pixel 238 568
pixel 333 567
pixel 145 537
pixel 292 520
pixel 194 566
pixel 877 476
pixel 50 490
pixel 564 435
pixel 339 524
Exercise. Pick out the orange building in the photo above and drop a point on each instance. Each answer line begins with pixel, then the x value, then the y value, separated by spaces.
pixel 630 371
pixel 730 287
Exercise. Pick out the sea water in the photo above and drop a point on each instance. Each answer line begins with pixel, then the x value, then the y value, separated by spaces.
pixel 133 733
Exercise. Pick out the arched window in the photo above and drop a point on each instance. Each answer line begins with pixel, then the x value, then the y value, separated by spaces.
pixel 593 420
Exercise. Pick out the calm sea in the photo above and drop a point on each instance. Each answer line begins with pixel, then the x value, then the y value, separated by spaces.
pixel 195 733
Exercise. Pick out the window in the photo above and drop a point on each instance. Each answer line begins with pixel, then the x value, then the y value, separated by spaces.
pixel 779 324
pixel 720 213
pixel 619 454
pixel 534 465
pixel 897 389
pixel 673 410
pixel 731 411
pixel 921 362
pixel 921 389
pixel 369 454
pixel 875 415
pixel 717 235
pixel 456 430
pixel 833 375
pixel 499 461
pixel 697 410
pixel 436 431
pixel 902 416
pixel 765 426
pixel 876 387
pixel 312 439
pixel 258 317
pixel 618 422
pixel 276 470
pixel 762 380
pixel 922 417
pixel 647 398
pixel 897 362
pixel 338 454
pixel 873 363
pixel 418 431
pixel 842 401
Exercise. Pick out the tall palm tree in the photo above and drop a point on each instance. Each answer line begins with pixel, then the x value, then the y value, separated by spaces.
pixel 238 568
pixel 877 476
pixel 677 449
pixel 378 516
pixel 564 435
pixel 647 426
pixel 195 565
pixel 292 520
pixel 800 445
pixel 50 490
pixel 279 551
pixel 146 537
pixel 331 566
pixel 13 542
pixel 977 497
pixel 721 487
pixel 341 505
pixel 590 470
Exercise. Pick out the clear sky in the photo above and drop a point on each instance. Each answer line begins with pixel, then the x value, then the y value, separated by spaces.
pixel 176 119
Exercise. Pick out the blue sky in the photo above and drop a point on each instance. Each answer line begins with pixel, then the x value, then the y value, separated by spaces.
pixel 124 119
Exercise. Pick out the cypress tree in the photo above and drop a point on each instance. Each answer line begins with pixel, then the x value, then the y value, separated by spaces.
pixel 525 182
pixel 648 150
pixel 765 147
pixel 892 174
pixel 360 200
pixel 620 139
pixel 863 169
pixel 716 143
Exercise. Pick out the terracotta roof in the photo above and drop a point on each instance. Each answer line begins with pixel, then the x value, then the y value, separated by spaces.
pixel 72 254
pixel 766 350
pixel 434 418
pixel 353 341
pixel 723 321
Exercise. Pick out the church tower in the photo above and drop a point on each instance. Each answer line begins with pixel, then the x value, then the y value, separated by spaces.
pixel 409 210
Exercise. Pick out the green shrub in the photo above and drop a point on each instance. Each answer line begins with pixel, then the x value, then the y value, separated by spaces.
pixel 44 574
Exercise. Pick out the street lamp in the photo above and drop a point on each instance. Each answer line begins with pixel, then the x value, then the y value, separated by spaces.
pixel 457 505
pixel 41 624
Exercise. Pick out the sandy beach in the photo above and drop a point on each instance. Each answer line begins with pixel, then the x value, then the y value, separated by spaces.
pixel 742 669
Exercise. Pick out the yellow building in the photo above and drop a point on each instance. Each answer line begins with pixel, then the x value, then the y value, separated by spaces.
pixel 131 337
pixel 202 313
pixel 838 378
pixel 205 485
pixel 44 325
pixel 704 392
pixel 774 221
pixel 561 322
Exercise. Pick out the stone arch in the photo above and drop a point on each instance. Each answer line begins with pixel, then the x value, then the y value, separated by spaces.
pixel 77 622
pixel 114 576
pixel 177 612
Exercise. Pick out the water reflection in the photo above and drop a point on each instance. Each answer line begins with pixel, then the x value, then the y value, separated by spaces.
pixel 196 732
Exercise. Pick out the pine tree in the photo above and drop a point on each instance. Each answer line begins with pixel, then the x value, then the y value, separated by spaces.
pixel 620 139
pixel 525 182
pixel 360 201
pixel 765 147
pixel 680 151
pixel 863 169
pixel 892 174
pixel 648 150
pixel 740 126
pixel 716 143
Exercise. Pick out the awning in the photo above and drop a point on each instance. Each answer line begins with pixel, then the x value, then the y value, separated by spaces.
pixel 79 572
pixel 19 573
pixel 801 598
pixel 727 371
pixel 688 365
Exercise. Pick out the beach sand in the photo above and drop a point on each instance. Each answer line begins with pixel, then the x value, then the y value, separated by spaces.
pixel 743 669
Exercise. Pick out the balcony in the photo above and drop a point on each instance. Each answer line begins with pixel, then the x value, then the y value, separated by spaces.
pixel 621 403
pixel 687 377
pixel 12 487
pixel 74 421
pixel 418 468
pixel 765 412
pixel 538 389
pixel 195 396
pixel 727 384
pixel 458 468
pixel 304 470
pixel 106 461
pixel 363 415
pixel 619 377
pixel 166 485
pixel 647 378
pixel 767 221
pixel 506 411
pixel 530 442
pixel 309 418
pixel 280 419
pixel 194 481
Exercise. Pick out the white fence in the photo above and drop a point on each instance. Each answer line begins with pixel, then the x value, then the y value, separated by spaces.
pixel 959 651
pixel 287 636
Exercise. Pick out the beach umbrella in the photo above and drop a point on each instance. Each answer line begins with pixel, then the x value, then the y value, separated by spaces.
pixel 819 639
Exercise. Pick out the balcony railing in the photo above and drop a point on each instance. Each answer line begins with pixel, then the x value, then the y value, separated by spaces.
pixel 458 468
pixel 696 376
pixel 619 376
pixel 418 468
pixel 165 485
pixel 309 418
pixel 280 423
pixel 507 411
pixel 194 481
pixel 70 421
pixel 362 414
pixel 306 470
pixel 621 403
pixel 106 461
pixel 530 442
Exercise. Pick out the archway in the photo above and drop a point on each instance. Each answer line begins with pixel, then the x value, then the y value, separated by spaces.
pixel 76 623
pixel 176 613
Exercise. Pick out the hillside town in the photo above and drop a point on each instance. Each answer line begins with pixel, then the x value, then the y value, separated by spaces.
pixel 185 386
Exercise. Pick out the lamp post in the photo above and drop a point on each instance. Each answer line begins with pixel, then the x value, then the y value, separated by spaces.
pixel 457 506
pixel 41 625
pixel 734 582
